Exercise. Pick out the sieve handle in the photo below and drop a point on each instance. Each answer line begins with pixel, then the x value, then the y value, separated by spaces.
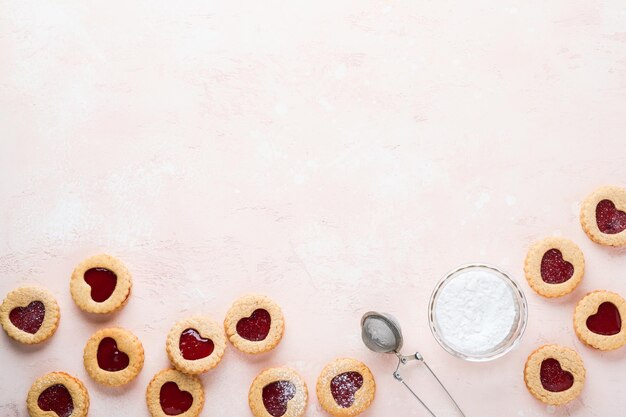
pixel 402 360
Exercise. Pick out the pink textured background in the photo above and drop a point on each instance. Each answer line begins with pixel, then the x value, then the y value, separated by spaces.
pixel 339 156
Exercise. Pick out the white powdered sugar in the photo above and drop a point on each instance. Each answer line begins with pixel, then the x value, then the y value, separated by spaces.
pixel 476 311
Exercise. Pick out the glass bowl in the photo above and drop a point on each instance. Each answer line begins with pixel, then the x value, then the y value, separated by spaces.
pixel 517 329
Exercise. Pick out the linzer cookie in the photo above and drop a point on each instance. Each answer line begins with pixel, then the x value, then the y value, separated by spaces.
pixel 278 392
pixel 345 388
pixel 172 393
pixel 29 314
pixel 554 267
pixel 57 394
pixel 196 345
pixel 113 356
pixel 554 374
pixel 603 216
pixel 100 284
pixel 254 324
pixel 598 320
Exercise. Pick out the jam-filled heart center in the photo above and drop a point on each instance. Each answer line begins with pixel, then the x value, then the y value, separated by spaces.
pixel 193 346
pixel 29 318
pixel 276 396
pixel 344 386
pixel 607 321
pixel 256 327
pixel 56 398
pixel 609 219
pixel 173 400
pixel 554 269
pixel 102 282
pixel 553 377
pixel 110 358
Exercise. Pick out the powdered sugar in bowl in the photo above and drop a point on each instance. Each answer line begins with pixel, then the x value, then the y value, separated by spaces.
pixel 477 313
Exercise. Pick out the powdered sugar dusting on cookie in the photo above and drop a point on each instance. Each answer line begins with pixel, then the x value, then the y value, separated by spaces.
pixel 346 383
pixel 276 396
pixel 344 387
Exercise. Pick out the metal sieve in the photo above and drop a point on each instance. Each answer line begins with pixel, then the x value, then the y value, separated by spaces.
pixel 381 333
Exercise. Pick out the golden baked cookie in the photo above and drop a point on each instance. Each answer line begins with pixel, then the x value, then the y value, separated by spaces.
pixel 57 394
pixel 554 374
pixel 278 392
pixel 598 320
pixel 554 266
pixel 603 216
pixel 100 284
pixel 196 345
pixel 346 387
pixel 29 314
pixel 172 393
pixel 254 324
pixel 113 356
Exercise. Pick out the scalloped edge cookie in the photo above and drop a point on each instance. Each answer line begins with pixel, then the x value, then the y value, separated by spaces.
pixel 569 360
pixel 126 342
pixel 80 395
pixel 22 297
pixel 81 291
pixel 208 329
pixel 362 398
pixel 588 215
pixel 295 407
pixel 244 307
pixel 532 266
pixel 190 383
pixel 588 306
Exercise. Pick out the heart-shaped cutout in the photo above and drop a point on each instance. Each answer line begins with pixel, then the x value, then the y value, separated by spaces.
pixel 102 282
pixel 609 219
pixel 56 398
pixel 607 320
pixel 553 377
pixel 109 357
pixel 554 269
pixel 344 386
pixel 193 346
pixel 173 400
pixel 256 327
pixel 28 319
pixel 276 396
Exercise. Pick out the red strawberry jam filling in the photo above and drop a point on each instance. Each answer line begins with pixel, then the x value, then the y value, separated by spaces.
pixel 609 219
pixel 173 400
pixel 553 377
pixel 344 386
pixel 56 398
pixel 554 269
pixel 607 320
pixel 109 357
pixel 28 319
pixel 256 327
pixel 193 346
pixel 276 396
pixel 102 282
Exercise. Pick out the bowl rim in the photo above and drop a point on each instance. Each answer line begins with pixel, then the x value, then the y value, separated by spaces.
pixel 519 296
